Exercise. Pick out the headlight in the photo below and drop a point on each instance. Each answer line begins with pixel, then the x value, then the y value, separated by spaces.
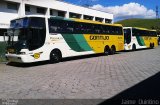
pixel 129 46
pixel 23 53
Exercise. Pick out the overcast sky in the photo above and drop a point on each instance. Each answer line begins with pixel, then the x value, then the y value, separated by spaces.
pixel 123 9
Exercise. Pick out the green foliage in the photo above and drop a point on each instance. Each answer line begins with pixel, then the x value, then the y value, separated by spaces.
pixel 145 23
pixel 2 51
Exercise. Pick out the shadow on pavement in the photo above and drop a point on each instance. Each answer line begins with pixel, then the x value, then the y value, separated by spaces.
pixel 81 57
pixel 138 50
pixel 14 64
pixel 47 62
pixel 145 92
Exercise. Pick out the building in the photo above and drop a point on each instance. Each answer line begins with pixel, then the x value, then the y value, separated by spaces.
pixel 10 9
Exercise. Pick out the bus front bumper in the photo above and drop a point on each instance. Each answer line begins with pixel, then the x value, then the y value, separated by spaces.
pixel 19 58
pixel 127 47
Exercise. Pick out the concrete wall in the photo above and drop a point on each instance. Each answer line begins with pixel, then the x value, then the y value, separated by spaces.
pixel 8 14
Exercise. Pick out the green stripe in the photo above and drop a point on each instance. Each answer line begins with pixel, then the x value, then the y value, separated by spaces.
pixel 140 40
pixel 82 42
pixel 77 42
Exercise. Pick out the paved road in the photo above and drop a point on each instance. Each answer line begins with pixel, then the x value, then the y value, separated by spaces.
pixel 96 77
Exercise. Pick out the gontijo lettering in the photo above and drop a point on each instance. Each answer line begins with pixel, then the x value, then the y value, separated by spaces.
pixel 99 37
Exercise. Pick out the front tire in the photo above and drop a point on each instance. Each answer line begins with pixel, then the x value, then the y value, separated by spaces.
pixel 134 47
pixel 55 56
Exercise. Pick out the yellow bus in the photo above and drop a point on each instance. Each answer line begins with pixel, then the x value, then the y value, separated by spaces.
pixel 138 38
pixel 54 38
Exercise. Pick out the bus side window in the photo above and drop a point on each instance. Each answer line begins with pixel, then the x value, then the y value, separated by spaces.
pixel 52 26
pixel 107 30
pixel 101 29
pixel 55 26
pixel 112 30
pixel 134 32
pixel 96 29
pixel 151 33
pixel 118 31
pixel 76 28
pixel 59 26
pixel 139 33
pixel 87 28
pixel 82 27
pixel 70 27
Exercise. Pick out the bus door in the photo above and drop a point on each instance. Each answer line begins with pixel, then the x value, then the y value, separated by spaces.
pixel 127 36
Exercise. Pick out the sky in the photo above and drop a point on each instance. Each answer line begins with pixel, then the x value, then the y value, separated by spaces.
pixel 123 9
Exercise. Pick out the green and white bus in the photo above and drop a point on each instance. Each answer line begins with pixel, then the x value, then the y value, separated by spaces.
pixel 53 38
pixel 138 38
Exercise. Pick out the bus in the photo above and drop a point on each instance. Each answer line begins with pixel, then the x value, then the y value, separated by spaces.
pixel 158 39
pixel 139 38
pixel 54 38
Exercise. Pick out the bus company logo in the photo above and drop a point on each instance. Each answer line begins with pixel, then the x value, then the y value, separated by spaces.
pixel 99 37
pixel 36 55
pixel 55 38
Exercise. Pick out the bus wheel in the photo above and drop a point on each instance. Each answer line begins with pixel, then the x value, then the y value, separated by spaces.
pixel 113 50
pixel 55 56
pixel 151 45
pixel 106 50
pixel 134 47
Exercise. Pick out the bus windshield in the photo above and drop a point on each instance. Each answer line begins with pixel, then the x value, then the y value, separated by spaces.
pixel 26 33
pixel 20 23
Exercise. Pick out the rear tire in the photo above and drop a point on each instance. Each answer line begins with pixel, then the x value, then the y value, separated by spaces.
pixel 113 50
pixel 55 56
pixel 106 50
pixel 151 45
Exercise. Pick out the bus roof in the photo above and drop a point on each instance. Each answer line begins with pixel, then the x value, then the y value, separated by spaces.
pixel 71 19
pixel 144 28
pixel 84 21
pixel 140 28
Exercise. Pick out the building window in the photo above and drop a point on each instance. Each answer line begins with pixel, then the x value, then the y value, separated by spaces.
pixel 61 13
pixel 13 6
pixel 74 15
pixel 98 19
pixel 88 17
pixel 51 12
pixel 108 21
pixel 41 10
pixel 27 8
